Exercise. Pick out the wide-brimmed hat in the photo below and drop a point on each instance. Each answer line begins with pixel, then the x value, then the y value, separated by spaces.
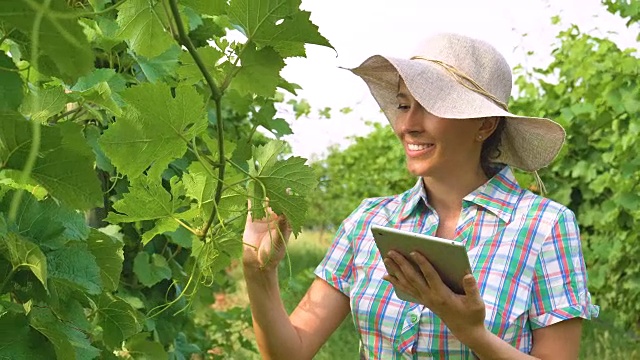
pixel 457 77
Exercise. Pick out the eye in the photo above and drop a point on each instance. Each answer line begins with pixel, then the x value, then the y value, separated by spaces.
pixel 403 107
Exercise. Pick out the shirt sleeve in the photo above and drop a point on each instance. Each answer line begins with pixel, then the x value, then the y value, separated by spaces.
pixel 337 266
pixel 559 289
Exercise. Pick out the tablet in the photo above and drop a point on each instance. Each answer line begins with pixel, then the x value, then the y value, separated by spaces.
pixel 448 257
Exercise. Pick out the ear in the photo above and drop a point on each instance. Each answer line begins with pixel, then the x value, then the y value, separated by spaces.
pixel 487 127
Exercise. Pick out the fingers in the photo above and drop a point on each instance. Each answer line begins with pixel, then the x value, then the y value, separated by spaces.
pixel 470 286
pixel 428 271
pixel 405 272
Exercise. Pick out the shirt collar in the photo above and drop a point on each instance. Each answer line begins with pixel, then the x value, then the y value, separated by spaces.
pixel 499 195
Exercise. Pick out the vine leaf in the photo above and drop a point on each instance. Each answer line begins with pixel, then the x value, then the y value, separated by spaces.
pixel 11 93
pixel 162 226
pixel 161 67
pixel 156 128
pixel 75 265
pixel 147 200
pixel 19 341
pixel 140 347
pixel 118 320
pixel 150 270
pixel 260 72
pixel 101 87
pixel 189 72
pixel 64 166
pixel 109 257
pixel 64 49
pixel 208 7
pixel 68 342
pixel 276 23
pixel 21 252
pixel 141 24
pixel 198 184
pixel 41 104
pixel 287 183
pixel 46 223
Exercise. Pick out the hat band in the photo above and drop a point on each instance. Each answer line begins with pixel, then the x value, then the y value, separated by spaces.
pixel 465 81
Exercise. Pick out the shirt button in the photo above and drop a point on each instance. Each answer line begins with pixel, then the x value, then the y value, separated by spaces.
pixel 414 318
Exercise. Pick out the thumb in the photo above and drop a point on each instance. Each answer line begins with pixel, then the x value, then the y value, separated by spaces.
pixel 470 286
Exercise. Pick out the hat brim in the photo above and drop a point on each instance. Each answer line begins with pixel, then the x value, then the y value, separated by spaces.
pixel 528 143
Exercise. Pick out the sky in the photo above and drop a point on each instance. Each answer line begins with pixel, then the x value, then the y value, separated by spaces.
pixel 358 29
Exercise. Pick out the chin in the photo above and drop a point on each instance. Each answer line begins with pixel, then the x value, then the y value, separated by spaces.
pixel 418 169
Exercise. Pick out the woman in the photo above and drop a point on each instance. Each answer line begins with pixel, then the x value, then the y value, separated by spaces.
pixel 527 295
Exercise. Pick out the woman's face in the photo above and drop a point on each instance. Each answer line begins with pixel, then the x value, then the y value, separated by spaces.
pixel 435 146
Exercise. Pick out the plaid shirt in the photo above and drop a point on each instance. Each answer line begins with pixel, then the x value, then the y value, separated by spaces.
pixel 524 251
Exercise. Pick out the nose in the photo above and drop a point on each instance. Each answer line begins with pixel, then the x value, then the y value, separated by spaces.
pixel 411 121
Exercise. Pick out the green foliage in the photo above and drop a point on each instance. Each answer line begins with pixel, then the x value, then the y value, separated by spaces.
pixel 129 147
pixel 596 98
pixel 625 8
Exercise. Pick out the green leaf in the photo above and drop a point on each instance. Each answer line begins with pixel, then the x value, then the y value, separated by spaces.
pixel 189 73
pixel 109 255
pixel 199 185
pixel 157 128
pixel 260 72
pixel 102 87
pixel 276 23
pixel 162 226
pixel 147 200
pixel 265 117
pixel 41 104
pixel 11 92
pixel 46 222
pixel 18 341
pixel 64 51
pixel 289 37
pixel 92 133
pixel 21 252
pixel 208 7
pixel 71 311
pixel 162 67
pixel 205 32
pixel 68 342
pixel 141 348
pixel 142 25
pixel 629 200
pixel 182 237
pixel 287 182
pixel 150 270
pixel 117 319
pixel 65 163
pixel 76 266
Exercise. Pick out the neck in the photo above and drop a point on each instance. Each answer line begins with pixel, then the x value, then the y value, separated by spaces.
pixel 445 193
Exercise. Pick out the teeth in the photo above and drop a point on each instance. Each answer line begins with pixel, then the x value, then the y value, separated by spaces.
pixel 415 147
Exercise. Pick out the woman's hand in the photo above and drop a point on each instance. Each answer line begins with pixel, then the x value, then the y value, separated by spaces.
pixel 265 241
pixel 463 314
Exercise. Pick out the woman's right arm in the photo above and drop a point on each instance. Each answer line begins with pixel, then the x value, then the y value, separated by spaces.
pixel 319 313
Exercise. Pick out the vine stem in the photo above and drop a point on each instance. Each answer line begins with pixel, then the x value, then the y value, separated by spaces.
pixel 35 126
pixel 186 42
pixel 216 95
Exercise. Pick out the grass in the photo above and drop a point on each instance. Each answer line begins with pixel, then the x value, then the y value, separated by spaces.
pixel 600 339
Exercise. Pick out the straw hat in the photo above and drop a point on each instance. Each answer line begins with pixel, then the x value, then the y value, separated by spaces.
pixel 458 77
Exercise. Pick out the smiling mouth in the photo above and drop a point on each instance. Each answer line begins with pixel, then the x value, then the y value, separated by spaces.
pixel 419 147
